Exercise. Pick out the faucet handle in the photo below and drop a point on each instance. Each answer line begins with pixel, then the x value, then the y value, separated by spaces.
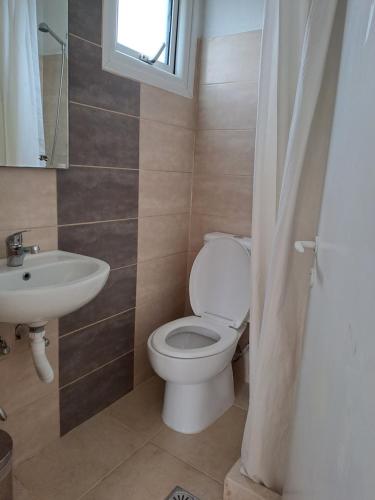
pixel 16 239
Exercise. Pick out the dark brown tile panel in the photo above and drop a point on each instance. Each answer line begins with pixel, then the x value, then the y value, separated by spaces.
pixel 117 295
pixel 115 242
pixel 94 346
pixel 85 19
pixel 96 194
pixel 89 84
pixel 102 138
pixel 91 394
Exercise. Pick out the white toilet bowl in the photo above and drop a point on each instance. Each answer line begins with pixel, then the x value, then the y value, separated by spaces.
pixel 193 354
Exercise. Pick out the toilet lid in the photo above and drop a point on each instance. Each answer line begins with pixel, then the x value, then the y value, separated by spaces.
pixel 220 281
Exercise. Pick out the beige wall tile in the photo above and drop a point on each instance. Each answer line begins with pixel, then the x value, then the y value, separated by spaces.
pixel 161 275
pixel 228 106
pixel 167 107
pixel 68 467
pixel 19 382
pixel 165 147
pixel 45 237
pixel 225 195
pixel 160 473
pixel 33 426
pixel 28 198
pixel 225 152
pixel 231 58
pixel 212 451
pixel 142 368
pixel 202 224
pixel 162 235
pixel 163 193
pixel 158 310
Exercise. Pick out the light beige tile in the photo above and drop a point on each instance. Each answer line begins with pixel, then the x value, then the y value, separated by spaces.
pixel 142 368
pixel 165 147
pixel 163 275
pixel 167 107
pixel 33 426
pixel 69 466
pixel 45 237
pixel 238 487
pixel 163 193
pixel 212 451
pixel 202 224
pixel 19 382
pixel 156 311
pixel 241 390
pixel 162 235
pixel 225 195
pixel 140 410
pixel 152 473
pixel 231 58
pixel 19 491
pixel 228 106
pixel 228 152
pixel 28 198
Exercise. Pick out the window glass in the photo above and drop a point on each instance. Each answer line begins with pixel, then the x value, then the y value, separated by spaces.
pixel 144 25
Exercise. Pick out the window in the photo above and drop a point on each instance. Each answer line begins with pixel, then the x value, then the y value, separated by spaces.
pixel 153 41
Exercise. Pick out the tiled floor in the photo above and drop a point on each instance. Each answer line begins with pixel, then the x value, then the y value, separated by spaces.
pixel 127 453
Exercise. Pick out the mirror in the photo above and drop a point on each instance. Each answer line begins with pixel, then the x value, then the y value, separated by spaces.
pixel 34 83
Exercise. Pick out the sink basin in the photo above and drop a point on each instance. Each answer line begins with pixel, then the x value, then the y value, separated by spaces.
pixel 48 286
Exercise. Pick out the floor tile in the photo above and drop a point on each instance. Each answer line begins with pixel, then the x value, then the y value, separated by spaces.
pixel 141 409
pixel 212 451
pixel 69 466
pixel 19 491
pixel 152 473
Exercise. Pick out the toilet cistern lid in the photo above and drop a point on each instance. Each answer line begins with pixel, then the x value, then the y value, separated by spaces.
pixel 220 282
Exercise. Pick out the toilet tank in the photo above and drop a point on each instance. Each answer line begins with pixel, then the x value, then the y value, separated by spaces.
pixel 244 240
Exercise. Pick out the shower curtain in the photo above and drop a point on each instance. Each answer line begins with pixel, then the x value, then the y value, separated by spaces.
pixel 21 113
pixel 300 56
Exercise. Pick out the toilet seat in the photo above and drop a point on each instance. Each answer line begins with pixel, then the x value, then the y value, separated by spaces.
pixel 218 338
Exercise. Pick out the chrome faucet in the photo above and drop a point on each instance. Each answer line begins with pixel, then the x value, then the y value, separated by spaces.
pixel 16 251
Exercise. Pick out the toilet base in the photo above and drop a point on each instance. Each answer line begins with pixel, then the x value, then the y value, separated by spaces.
pixel 191 408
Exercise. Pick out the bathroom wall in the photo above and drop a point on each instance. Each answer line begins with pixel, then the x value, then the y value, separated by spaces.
pixel 227 18
pixel 166 162
pixel 224 149
pixel 126 199
pixel 28 201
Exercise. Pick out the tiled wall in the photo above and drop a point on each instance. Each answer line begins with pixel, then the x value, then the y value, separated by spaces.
pixel 131 154
pixel 97 201
pixel 166 162
pixel 28 201
pixel 224 150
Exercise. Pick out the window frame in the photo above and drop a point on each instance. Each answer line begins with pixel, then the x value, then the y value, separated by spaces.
pixel 171 41
pixel 181 81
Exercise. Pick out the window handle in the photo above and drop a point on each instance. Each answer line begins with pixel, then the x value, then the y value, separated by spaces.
pixel 147 60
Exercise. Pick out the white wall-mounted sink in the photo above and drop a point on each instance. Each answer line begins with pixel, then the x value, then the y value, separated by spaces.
pixel 48 286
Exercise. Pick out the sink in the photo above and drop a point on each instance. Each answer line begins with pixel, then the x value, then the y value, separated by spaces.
pixel 48 286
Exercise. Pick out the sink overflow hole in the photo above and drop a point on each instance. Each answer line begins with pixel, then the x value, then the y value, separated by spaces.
pixel 26 276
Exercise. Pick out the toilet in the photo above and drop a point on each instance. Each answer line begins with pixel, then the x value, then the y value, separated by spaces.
pixel 193 354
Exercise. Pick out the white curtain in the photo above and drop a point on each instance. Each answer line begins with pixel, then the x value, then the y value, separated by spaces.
pixel 21 113
pixel 300 54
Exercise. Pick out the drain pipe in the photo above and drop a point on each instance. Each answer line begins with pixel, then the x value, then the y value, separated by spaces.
pixel 38 351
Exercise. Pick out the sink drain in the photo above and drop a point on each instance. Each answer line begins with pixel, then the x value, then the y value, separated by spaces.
pixel 180 494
